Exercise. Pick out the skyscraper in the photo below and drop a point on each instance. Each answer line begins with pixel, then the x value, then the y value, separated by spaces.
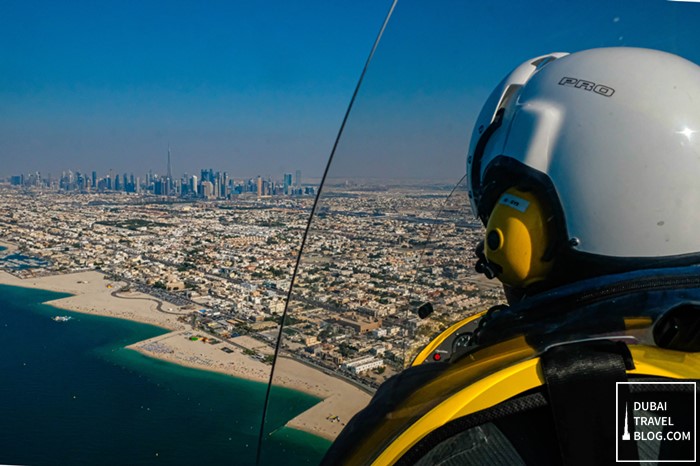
pixel 287 183
pixel 260 186
pixel 207 189
pixel 170 168
pixel 169 179
pixel 297 181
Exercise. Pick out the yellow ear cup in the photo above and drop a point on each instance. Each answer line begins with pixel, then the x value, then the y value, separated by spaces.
pixel 517 237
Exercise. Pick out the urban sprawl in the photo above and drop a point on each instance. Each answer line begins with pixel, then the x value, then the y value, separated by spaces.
pixel 226 250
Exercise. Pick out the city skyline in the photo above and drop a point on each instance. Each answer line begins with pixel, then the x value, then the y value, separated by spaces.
pixel 167 171
pixel 209 184
pixel 164 169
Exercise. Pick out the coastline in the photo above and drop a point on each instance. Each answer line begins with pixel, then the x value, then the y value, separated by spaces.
pixel 92 294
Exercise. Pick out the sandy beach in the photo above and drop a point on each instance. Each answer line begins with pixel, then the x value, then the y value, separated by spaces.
pixel 92 294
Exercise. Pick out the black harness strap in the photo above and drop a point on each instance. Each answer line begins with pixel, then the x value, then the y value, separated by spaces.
pixel 581 386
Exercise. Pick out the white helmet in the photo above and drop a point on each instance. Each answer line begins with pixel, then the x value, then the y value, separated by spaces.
pixel 611 138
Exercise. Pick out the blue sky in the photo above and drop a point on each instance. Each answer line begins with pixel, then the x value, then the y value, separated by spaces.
pixel 438 63
pixel 261 87
pixel 244 86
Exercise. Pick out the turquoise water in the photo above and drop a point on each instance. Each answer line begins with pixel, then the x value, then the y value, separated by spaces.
pixel 72 394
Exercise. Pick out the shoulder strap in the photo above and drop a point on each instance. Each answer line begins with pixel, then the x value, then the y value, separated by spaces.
pixel 581 387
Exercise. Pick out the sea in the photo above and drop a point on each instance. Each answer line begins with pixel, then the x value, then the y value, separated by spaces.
pixel 72 394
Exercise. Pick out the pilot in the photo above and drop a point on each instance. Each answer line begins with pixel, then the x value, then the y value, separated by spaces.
pixel 587 164
pixel 585 171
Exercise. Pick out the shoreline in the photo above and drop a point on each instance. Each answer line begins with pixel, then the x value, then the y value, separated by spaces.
pixel 91 293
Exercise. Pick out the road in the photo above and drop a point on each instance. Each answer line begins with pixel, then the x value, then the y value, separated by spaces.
pixel 159 303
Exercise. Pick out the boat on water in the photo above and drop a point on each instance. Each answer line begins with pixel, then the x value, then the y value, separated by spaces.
pixel 61 318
